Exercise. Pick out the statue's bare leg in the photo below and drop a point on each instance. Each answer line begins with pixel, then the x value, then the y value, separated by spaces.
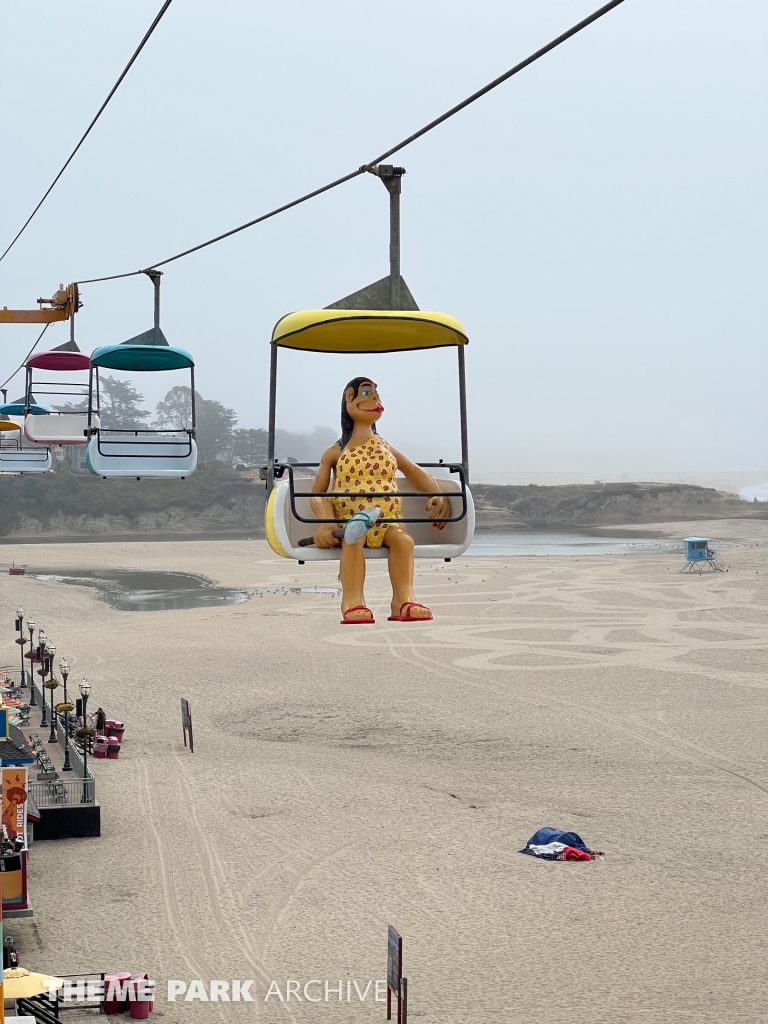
pixel 400 546
pixel 352 573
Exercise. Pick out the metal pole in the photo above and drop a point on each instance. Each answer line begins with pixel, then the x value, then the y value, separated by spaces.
pixel 154 276
pixel 463 414
pixel 33 698
pixel 52 738
pixel 156 283
pixel 394 185
pixel 90 400
pixel 41 652
pixel 22 640
pixel 86 740
pixel 2 976
pixel 192 396
pixel 272 410
pixel 67 765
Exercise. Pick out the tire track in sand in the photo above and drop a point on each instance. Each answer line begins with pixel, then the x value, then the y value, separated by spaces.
pixel 197 965
pixel 299 853
pixel 214 878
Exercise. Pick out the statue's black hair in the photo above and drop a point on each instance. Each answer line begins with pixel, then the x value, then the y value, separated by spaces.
pixel 347 423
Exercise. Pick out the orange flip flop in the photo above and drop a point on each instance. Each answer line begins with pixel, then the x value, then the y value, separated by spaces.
pixel 407 605
pixel 357 622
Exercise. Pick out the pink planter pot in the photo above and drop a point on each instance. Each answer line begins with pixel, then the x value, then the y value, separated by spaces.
pixel 112 1005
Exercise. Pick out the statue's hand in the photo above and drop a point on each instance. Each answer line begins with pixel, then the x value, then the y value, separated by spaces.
pixel 324 536
pixel 439 508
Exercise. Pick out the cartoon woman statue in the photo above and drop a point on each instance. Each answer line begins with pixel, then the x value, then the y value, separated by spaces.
pixel 359 463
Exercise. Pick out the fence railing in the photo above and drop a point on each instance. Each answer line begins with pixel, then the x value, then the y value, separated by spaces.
pixel 80 992
pixel 40 693
pixel 58 792
pixel 14 676
pixel 80 788
pixel 75 757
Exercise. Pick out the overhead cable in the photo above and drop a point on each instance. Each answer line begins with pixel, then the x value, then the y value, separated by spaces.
pixel 99 112
pixel 389 152
pixel 26 357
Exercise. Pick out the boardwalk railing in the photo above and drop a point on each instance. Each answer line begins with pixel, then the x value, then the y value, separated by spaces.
pixel 83 992
pixel 58 792
pixel 75 757
pixel 78 788
pixel 14 676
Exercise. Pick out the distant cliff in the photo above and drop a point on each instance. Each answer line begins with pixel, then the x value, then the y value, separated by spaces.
pixel 608 504
pixel 217 500
pixel 214 500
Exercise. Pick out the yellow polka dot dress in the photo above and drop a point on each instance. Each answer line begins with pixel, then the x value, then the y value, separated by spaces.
pixel 367 468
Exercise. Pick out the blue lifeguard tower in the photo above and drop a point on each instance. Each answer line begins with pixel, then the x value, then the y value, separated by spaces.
pixel 699 556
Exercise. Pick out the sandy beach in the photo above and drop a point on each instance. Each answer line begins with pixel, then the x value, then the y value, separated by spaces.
pixel 345 779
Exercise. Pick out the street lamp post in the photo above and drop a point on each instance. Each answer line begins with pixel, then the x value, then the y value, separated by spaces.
pixel 85 690
pixel 21 640
pixel 52 685
pixel 64 668
pixel 31 628
pixel 42 671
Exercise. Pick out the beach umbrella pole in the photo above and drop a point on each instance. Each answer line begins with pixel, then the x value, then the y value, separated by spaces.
pixel 2 976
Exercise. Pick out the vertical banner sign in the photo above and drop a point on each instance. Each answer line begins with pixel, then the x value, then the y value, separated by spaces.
pixel 394 971
pixel 4 724
pixel 15 802
pixel 186 724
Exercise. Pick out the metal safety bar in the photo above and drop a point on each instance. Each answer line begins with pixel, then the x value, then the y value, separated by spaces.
pixel 36 454
pixel 454 467
pixel 105 434
pixel 36 384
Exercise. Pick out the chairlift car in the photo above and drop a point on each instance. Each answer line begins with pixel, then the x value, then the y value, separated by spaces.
pixel 140 451
pixel 382 317
pixel 289 517
pixel 15 457
pixel 57 428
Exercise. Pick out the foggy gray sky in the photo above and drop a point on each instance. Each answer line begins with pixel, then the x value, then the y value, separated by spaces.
pixel 598 223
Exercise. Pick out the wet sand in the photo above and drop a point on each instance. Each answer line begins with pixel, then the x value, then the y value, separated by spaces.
pixel 348 778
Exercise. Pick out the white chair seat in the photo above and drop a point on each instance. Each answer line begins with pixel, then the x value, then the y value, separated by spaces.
pixel 64 428
pixel 284 531
pixel 150 455
pixel 25 460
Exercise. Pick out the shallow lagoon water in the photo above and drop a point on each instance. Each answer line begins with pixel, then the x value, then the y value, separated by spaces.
pixel 545 542
pixel 129 590
pixel 755 492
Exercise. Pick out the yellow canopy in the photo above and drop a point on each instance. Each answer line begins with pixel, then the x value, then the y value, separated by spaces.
pixel 367 330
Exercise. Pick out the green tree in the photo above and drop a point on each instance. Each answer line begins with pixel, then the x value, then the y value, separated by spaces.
pixel 249 447
pixel 119 402
pixel 215 426
pixel 214 422
pixel 175 410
